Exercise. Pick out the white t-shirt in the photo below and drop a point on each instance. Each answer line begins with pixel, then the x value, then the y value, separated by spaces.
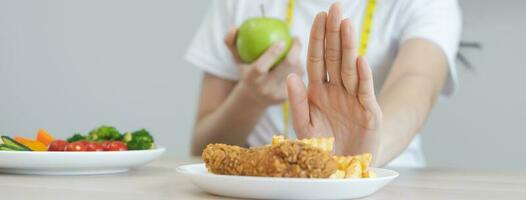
pixel 395 21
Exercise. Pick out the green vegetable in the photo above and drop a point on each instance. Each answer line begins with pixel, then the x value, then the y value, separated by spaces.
pixel 3 147
pixel 77 137
pixel 104 132
pixel 139 140
pixel 127 137
pixel 13 145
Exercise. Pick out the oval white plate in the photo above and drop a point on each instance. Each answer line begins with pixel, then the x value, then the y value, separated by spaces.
pixel 285 188
pixel 75 163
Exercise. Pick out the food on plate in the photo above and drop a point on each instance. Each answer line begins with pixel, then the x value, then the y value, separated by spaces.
pixel 58 145
pixel 34 145
pixel 102 138
pixel 355 166
pixel 11 145
pixel 116 146
pixel 139 140
pixel 106 145
pixel 348 166
pixel 326 143
pixel 305 158
pixel 94 146
pixel 104 132
pixel 44 137
pixel 76 146
pixel 77 137
pixel 286 159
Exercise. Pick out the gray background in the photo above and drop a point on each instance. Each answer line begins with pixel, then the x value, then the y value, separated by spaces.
pixel 71 65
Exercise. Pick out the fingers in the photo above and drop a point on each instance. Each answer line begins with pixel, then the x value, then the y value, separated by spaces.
pixel 230 41
pixel 366 94
pixel 316 52
pixel 299 105
pixel 333 44
pixel 263 64
pixel 349 53
pixel 291 63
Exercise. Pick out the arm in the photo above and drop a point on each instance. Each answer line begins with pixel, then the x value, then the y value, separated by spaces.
pixel 228 110
pixel 408 95
pixel 227 113
pixel 345 105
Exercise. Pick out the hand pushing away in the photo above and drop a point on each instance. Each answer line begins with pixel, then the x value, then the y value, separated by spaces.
pixel 342 104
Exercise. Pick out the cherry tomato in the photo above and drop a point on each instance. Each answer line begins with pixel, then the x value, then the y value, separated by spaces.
pixel 84 142
pixel 117 146
pixel 76 146
pixel 57 145
pixel 106 145
pixel 94 146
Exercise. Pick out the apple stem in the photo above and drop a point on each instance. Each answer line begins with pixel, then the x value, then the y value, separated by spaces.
pixel 262 8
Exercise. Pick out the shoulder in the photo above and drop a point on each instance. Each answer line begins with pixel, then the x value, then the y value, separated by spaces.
pixel 239 10
pixel 416 4
pixel 411 6
pixel 423 12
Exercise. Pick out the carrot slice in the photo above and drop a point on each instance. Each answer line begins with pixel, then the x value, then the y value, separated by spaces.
pixel 44 137
pixel 36 146
pixel 22 140
pixel 31 144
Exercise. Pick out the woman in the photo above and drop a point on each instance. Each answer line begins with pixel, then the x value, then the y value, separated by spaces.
pixel 410 56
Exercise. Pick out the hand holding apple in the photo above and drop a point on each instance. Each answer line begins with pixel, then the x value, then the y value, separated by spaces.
pixel 257 34
pixel 266 86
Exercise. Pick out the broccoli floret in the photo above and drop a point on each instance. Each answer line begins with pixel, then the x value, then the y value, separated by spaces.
pixel 105 132
pixel 127 137
pixel 139 140
pixel 77 137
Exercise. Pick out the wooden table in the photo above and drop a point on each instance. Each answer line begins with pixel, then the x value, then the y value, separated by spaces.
pixel 159 180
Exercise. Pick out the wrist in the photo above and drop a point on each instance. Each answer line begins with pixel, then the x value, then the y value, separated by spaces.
pixel 247 96
pixel 363 141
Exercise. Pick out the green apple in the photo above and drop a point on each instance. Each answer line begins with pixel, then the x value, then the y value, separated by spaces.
pixel 257 34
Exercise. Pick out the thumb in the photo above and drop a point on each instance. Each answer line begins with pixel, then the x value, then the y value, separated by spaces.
pixel 366 94
pixel 299 105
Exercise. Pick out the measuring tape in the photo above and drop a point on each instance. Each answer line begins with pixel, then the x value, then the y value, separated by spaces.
pixel 364 40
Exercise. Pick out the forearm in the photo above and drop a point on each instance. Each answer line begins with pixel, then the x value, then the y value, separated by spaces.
pixel 405 106
pixel 230 123
pixel 408 95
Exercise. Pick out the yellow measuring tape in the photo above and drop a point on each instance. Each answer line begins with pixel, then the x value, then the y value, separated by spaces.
pixel 366 26
pixel 364 40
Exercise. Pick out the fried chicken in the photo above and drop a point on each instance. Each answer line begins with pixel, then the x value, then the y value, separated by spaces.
pixel 286 159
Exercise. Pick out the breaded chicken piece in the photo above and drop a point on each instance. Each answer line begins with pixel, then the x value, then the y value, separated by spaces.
pixel 286 159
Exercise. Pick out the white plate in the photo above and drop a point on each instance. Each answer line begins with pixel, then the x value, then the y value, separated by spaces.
pixel 285 188
pixel 75 163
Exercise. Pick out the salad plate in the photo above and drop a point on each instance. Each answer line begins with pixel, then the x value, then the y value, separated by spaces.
pixel 103 150
pixel 75 163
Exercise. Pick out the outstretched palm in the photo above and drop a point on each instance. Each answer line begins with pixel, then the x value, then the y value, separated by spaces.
pixel 343 104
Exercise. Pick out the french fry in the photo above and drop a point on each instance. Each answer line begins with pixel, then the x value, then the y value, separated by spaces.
pixel 343 161
pixel 276 139
pixel 355 166
pixel 339 174
pixel 354 170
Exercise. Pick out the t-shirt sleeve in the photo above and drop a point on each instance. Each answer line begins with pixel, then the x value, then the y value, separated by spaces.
pixel 207 50
pixel 439 21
